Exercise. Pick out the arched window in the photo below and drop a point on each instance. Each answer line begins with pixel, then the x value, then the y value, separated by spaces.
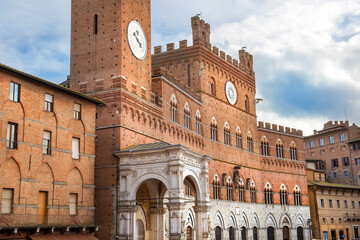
pixel 286 233
pixel 270 233
pixel 268 193
pixel 212 87
pixel 300 233
pixel 241 191
pixel 279 149
pixel 173 108
pixel 252 192
pixel 229 189
pixel 140 231
pixel 198 122
pixel 216 187
pixel 231 233
pixel 264 147
pixel 95 24
pixel 249 142
pixel 283 195
pixel 297 199
pixel 213 128
pixel 227 134
pixel 243 233
pixel 255 233
pixel 218 233
pixel 247 104
pixel 238 137
pixel 187 116
pixel 293 153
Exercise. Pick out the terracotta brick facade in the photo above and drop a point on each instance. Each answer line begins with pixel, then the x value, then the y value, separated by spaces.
pixel 140 96
pixel 27 169
pixel 337 146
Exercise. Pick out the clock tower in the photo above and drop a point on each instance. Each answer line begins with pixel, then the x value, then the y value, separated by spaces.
pixel 110 45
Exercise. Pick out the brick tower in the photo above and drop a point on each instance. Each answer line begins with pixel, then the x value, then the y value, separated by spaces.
pixel 100 51
pixel 110 54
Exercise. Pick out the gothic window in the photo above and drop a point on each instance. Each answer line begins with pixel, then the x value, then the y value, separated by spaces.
pixel 227 134
pixel 241 191
pixel 268 193
pixel 216 187
pixel 198 122
pixel 264 147
pixel 247 106
pixel 252 192
pixel 293 153
pixel 283 195
pixel 213 128
pixel 229 189
pixel 173 108
pixel 238 138
pixel 249 142
pixel 187 116
pixel 279 149
pixel 297 196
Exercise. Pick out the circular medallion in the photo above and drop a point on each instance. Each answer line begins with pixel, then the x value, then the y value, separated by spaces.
pixel 137 40
pixel 231 93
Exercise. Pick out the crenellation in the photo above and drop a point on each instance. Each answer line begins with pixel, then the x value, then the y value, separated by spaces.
pixel 158 49
pixel 222 54
pixel 236 63
pixel 183 44
pixel 280 129
pixel 229 58
pixel 215 50
pixel 287 130
pixel 170 47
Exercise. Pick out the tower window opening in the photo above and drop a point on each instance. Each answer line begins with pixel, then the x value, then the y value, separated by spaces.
pixel 95 24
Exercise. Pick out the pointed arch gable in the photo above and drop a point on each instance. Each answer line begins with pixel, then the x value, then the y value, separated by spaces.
pixel 285 220
pixel 270 221
pixel 300 221
pixel 45 169
pixel 190 219
pixel 219 220
pixel 244 222
pixel 232 222
pixel 255 221
pixel 75 177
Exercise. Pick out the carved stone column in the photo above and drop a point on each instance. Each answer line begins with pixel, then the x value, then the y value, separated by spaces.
pixel 157 221
pixel 177 221
pixel 203 226
pixel 126 217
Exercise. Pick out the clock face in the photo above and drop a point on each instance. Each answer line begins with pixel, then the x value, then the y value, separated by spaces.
pixel 137 40
pixel 231 93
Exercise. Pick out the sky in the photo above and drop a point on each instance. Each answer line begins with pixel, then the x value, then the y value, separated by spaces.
pixel 306 52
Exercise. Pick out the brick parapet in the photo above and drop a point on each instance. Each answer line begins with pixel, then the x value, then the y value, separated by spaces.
pixel 280 129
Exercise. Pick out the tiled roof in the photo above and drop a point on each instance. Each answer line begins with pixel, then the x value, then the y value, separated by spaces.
pixel 51 84
pixel 145 147
pixel 335 185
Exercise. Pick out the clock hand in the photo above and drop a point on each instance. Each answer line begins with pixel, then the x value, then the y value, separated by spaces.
pixel 137 39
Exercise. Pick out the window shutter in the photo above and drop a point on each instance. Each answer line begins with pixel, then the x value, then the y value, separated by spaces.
pixel 72 204
pixel 48 98
pixel 47 135
pixel 7 199
pixel 77 107
pixel 75 148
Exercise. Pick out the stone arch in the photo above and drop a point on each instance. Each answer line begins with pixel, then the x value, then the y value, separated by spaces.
pixel 255 221
pixel 232 222
pixel 173 100
pixel 10 175
pixel 195 182
pixel 190 219
pixel 219 220
pixel 285 220
pixel 244 222
pixel 300 222
pixel 143 179
pixel 270 221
